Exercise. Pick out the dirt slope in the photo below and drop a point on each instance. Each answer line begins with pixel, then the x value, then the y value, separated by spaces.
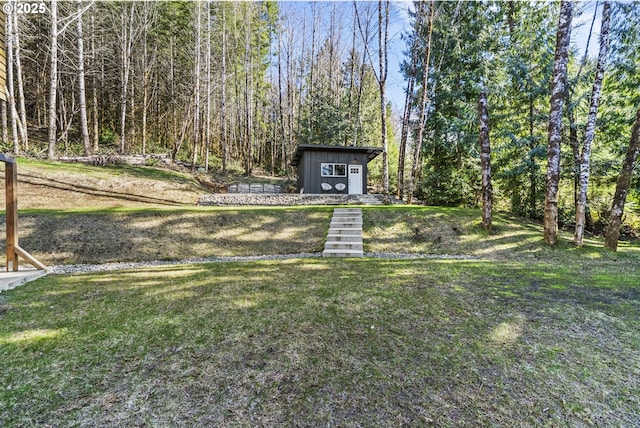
pixel 51 185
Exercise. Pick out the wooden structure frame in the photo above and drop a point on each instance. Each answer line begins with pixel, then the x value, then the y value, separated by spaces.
pixel 13 248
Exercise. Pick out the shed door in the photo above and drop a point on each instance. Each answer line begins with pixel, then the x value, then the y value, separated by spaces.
pixel 355 179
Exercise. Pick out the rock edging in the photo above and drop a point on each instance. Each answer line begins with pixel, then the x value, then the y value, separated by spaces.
pixel 275 199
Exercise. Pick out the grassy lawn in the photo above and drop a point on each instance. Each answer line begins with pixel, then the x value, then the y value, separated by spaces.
pixel 521 335
pixel 438 230
pixel 326 342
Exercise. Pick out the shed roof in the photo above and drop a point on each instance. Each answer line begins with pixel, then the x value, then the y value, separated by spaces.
pixel 371 152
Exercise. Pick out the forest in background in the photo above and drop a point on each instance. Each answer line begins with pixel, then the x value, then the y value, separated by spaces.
pixel 231 86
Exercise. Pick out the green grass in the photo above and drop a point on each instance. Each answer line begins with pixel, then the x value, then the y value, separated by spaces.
pixel 438 230
pixel 321 342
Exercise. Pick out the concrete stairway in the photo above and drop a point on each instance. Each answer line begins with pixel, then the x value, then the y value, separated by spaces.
pixel 345 234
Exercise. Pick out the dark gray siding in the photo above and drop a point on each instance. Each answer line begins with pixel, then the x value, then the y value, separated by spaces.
pixel 309 176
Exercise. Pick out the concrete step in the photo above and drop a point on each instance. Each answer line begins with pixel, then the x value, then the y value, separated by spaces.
pixel 333 237
pixel 347 215
pixel 346 231
pixel 349 224
pixel 342 253
pixel 347 210
pixel 342 245
pixel 345 234
pixel 346 219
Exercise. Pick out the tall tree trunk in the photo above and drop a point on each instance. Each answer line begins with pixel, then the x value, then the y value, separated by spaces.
pixel 22 123
pixel 573 126
pixel 3 119
pixel 84 125
pixel 223 96
pixel 280 103
pixel 53 79
pixel 196 89
pixel 248 155
pixel 485 161
pixel 408 108
pixel 208 92
pixel 352 76
pixel 126 47
pixel 417 146
pixel 94 84
pixel 11 100
pixel 146 70
pixel 383 36
pixel 364 34
pixel 555 123
pixel 622 187
pixel 585 158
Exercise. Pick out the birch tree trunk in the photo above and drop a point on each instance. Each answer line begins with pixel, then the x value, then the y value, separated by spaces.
pixel 622 187
pixel 196 89
pixel 3 118
pixel 84 126
pixel 585 157
pixel 223 96
pixel 248 131
pixel 383 36
pixel 94 89
pixel 408 108
pixel 417 147
pixel 555 123
pixel 22 123
pixel 145 81
pixel 11 101
pixel 208 91
pixel 53 79
pixel 485 161
pixel 126 46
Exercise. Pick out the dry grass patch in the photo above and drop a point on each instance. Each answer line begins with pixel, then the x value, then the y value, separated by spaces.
pixel 52 185
pixel 145 235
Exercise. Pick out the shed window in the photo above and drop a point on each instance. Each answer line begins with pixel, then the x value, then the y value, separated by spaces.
pixel 333 170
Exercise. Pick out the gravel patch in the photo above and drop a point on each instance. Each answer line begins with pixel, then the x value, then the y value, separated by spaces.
pixel 279 199
pixel 107 267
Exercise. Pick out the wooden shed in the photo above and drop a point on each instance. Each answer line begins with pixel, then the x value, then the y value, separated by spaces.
pixel 333 169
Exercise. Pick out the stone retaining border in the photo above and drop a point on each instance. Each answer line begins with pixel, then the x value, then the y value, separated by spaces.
pixel 86 268
pixel 279 199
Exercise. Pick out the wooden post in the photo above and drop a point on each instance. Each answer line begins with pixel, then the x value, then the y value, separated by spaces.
pixel 11 178
pixel 13 248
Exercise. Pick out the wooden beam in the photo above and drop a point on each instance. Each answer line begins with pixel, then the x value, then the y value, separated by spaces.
pixel 29 258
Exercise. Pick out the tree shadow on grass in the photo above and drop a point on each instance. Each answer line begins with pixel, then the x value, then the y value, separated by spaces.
pixel 315 342
pixel 172 235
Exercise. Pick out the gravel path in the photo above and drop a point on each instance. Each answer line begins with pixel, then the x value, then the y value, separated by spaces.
pixel 87 268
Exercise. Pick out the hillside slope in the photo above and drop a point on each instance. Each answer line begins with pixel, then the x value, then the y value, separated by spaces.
pixel 53 185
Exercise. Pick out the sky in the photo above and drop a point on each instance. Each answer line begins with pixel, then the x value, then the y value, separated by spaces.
pixel 400 24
